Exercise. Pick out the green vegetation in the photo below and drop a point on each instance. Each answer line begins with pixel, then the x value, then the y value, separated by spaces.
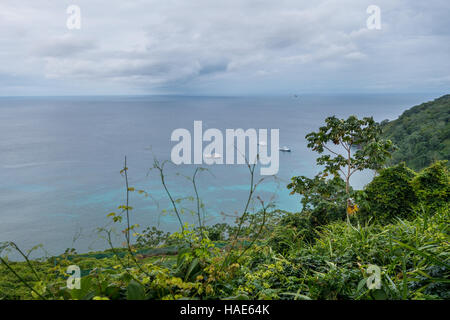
pixel 391 194
pixel 422 134
pixel 388 241
pixel 364 135
pixel 351 145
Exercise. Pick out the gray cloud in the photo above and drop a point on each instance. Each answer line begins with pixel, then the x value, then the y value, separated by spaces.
pixel 232 47
pixel 64 47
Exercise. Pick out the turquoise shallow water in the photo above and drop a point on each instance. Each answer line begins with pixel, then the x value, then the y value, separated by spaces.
pixel 60 157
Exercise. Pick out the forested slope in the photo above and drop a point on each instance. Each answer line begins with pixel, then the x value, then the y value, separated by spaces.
pixel 422 134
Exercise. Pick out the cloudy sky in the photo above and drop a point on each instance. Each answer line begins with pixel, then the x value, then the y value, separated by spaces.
pixel 228 47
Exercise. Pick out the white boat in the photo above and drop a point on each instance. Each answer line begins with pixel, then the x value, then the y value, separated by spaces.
pixel 285 149
pixel 213 156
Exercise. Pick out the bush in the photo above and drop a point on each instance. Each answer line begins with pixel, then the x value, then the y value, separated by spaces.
pixel 390 194
pixel 292 229
pixel 217 232
pixel 432 186
pixel 412 256
pixel 323 200
pixel 152 237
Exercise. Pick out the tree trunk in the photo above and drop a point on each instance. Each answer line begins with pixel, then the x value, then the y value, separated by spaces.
pixel 347 180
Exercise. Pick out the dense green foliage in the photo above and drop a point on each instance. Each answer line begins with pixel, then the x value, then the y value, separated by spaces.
pixel 397 191
pixel 432 186
pixel 390 194
pixel 412 255
pixel 422 134
pixel 323 199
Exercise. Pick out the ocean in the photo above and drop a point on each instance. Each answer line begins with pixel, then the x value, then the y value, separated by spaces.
pixel 60 159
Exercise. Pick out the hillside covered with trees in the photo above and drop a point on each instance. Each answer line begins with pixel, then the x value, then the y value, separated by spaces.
pixel 422 134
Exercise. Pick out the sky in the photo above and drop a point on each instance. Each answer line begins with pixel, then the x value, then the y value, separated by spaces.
pixel 229 47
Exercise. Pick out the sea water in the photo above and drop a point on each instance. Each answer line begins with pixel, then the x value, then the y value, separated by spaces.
pixel 60 159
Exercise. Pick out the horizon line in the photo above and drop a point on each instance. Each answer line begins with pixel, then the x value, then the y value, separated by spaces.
pixel 298 95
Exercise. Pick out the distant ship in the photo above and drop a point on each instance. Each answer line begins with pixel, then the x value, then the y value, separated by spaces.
pixel 213 156
pixel 285 149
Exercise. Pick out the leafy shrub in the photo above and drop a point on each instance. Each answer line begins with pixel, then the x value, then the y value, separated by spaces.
pixel 151 237
pixel 390 194
pixel 324 200
pixel 432 186
pixel 217 232
pixel 412 256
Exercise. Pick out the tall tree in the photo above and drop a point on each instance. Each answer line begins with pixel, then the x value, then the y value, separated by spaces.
pixel 351 145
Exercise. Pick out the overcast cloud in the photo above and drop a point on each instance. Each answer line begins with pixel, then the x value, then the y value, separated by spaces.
pixel 223 47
